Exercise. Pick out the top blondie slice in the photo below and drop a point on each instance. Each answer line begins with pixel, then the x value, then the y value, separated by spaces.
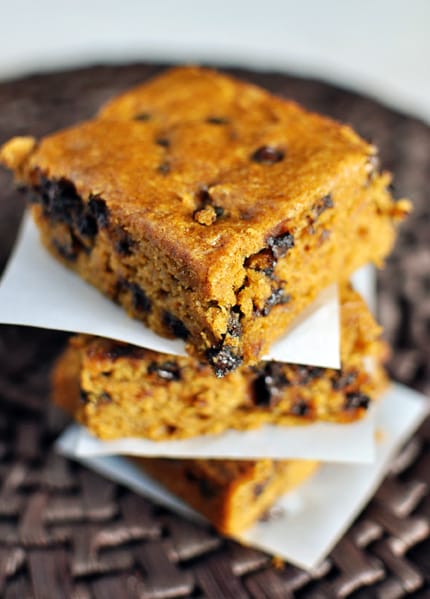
pixel 208 208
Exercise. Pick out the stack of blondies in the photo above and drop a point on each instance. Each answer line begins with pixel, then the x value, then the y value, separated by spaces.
pixel 214 212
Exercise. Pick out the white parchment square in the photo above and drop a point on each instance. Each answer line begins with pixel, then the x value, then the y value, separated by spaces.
pixel 326 441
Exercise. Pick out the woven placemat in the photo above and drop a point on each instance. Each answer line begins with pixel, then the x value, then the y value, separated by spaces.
pixel 66 532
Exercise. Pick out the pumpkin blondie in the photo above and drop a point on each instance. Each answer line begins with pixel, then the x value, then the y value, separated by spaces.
pixel 208 208
pixel 231 494
pixel 126 391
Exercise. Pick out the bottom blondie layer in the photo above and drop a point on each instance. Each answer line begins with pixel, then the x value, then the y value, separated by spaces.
pixel 231 494
pixel 127 391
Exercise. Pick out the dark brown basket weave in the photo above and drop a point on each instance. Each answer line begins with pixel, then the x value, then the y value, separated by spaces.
pixel 66 532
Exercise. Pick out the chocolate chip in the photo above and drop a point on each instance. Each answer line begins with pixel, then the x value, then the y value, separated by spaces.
pixel 276 298
pixel 219 211
pixel 124 350
pixel 223 359
pixel 124 244
pixel 164 168
pixel 83 396
pixel 163 142
pixel 343 379
pixel 175 325
pixel 280 244
pixel 141 301
pixel 268 386
pixel 168 371
pixel 261 391
pixel 356 400
pixel 264 262
pixel 98 209
pixel 203 196
pixel 87 226
pixel 307 374
pixel 268 155
pixel 300 408
pixel 69 251
pixel 322 205
pixel 142 116
pixel 217 120
pixel 59 200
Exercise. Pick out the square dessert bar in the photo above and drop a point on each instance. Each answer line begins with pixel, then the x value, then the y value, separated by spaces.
pixel 208 208
pixel 126 391
pixel 231 494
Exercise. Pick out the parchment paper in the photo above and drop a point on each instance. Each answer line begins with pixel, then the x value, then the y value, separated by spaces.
pixel 312 518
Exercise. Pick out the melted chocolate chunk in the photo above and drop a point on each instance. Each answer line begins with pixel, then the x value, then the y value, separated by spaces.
pixel 83 396
pixel 268 385
pixel 223 359
pixel 281 244
pixel 175 325
pixel 168 371
pixel 262 392
pixel 141 301
pixel 98 209
pixel 276 298
pixel 322 205
pixel 204 197
pixel 268 155
pixel 61 203
pixel 217 120
pixel 342 380
pixel 60 200
pixel 353 401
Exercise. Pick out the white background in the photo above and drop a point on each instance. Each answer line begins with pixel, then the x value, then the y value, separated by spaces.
pixel 378 46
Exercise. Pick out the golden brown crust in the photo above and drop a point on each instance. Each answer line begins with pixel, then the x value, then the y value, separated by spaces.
pixel 133 392
pixel 183 203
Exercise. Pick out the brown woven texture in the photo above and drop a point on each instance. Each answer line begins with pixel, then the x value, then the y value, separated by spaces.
pixel 67 532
